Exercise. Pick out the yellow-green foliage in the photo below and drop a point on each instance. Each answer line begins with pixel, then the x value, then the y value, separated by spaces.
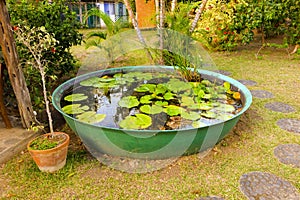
pixel 213 28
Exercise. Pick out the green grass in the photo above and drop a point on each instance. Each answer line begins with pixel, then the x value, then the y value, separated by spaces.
pixel 249 147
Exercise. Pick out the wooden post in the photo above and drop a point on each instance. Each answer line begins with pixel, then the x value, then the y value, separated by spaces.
pixel 16 75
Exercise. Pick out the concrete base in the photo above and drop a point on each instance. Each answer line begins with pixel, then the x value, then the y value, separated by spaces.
pixel 13 141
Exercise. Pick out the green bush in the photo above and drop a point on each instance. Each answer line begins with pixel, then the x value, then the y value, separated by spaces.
pixel 57 20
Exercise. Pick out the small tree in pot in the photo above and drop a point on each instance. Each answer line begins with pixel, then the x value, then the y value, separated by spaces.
pixel 49 151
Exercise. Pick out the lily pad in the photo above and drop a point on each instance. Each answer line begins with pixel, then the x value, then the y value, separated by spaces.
pixel 168 96
pixel 225 108
pixel 146 99
pixel 155 109
pixel 190 115
pixel 146 88
pixel 91 117
pixel 161 103
pixel 75 97
pixel 209 114
pixel 74 109
pixel 187 101
pixel 198 124
pixel 129 102
pixel 160 89
pixel 90 81
pixel 173 110
pixel 225 116
pixel 139 121
pixel 175 85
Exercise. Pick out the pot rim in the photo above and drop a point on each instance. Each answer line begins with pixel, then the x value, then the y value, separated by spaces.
pixel 62 145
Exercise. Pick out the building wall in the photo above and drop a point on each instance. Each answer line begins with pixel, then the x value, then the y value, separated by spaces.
pixel 114 9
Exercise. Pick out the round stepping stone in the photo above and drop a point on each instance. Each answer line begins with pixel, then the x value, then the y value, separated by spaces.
pixel 211 198
pixel 288 154
pixel 226 73
pixel 292 125
pixel 262 94
pixel 266 186
pixel 280 107
pixel 248 82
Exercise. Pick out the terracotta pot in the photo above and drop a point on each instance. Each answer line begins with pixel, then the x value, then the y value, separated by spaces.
pixel 50 160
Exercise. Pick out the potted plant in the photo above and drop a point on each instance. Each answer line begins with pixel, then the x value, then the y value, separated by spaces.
pixel 49 151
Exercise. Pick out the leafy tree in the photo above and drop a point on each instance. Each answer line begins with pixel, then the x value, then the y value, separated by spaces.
pixel 57 20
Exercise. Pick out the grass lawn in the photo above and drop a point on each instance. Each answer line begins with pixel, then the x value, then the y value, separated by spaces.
pixel 249 147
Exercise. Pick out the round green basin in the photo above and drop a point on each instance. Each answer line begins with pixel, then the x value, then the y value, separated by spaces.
pixel 150 144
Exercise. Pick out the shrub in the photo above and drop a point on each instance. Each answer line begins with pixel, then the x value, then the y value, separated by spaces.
pixel 57 20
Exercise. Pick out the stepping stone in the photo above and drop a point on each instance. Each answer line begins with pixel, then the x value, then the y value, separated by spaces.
pixel 211 198
pixel 288 154
pixel 280 107
pixel 226 73
pixel 292 125
pixel 247 82
pixel 261 94
pixel 266 186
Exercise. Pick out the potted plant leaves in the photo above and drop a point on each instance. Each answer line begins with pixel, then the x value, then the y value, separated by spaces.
pixel 49 151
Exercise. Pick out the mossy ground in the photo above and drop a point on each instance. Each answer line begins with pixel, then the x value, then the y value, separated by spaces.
pixel 249 147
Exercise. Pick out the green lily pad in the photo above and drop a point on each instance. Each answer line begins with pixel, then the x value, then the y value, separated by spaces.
pixel 139 121
pixel 91 117
pixel 129 102
pixel 206 82
pixel 190 115
pixel 226 85
pixel 161 103
pixel 198 124
pixel 173 110
pixel 75 97
pixel 175 85
pixel 209 114
pixel 74 109
pixel 154 109
pixel 146 99
pixel 225 108
pixel 146 88
pixel 201 106
pixel 104 85
pixel 90 81
pixel 168 96
pixel 187 101
pixel 106 80
pixel 160 89
pixel 224 116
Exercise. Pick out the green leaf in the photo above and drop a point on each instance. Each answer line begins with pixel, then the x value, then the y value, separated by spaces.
pixel 139 121
pixel 198 124
pixel 168 96
pixel 74 109
pixel 175 85
pixel 209 114
pixel 187 101
pixel 146 88
pixel 160 89
pixel 161 103
pixel 129 102
pixel 75 97
pixel 190 115
pixel 146 99
pixel 90 81
pixel 154 109
pixel 173 110
pixel 91 117
pixel 225 108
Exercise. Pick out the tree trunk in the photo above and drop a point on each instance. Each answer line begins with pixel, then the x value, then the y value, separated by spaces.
pixel 3 112
pixel 198 15
pixel 134 22
pixel 136 27
pixel 16 75
pixel 173 5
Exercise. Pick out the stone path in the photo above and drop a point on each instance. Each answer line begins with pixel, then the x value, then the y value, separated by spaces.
pixel 267 186
pixel 288 154
pixel 263 186
pixel 280 107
